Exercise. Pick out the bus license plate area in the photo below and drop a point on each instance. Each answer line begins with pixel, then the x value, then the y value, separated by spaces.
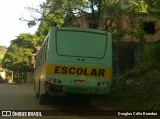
pixel 79 82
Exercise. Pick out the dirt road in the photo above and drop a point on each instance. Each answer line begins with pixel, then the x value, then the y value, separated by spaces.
pixel 21 97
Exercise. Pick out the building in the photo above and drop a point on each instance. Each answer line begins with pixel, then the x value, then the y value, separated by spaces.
pixel 127 48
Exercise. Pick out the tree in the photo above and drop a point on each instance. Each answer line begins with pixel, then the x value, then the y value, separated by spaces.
pixel 3 49
pixel 42 31
pixel 25 40
pixel 153 7
pixel 153 4
pixel 55 12
pixel 18 55
pixel 105 14
pixel 17 58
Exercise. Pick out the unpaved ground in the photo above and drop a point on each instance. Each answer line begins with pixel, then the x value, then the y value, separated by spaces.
pixel 21 97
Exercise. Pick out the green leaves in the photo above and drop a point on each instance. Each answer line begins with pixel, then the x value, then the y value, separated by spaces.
pixel 151 53
pixel 17 57
pixel 25 40
pixel 138 6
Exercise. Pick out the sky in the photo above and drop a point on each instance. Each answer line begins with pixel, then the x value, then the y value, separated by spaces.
pixel 10 25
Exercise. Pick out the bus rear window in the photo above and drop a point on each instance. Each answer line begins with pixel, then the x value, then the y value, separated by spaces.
pixel 81 44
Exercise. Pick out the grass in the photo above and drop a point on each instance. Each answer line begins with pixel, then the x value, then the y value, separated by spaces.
pixel 141 93
pixel 137 89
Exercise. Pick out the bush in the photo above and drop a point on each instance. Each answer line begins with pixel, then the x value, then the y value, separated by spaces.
pixel 138 88
pixel 151 53
pixel 138 93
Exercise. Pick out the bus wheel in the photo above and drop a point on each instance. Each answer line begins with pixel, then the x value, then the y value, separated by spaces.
pixel 43 99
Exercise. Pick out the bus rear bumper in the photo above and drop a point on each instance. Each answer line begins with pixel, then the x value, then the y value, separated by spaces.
pixel 61 90
pixel 87 90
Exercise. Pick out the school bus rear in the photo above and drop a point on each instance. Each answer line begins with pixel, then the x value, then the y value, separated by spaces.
pixel 79 61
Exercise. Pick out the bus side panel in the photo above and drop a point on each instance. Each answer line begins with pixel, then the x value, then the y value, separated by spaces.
pixel 40 75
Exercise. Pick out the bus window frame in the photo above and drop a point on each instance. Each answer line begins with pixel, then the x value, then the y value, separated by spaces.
pixel 81 56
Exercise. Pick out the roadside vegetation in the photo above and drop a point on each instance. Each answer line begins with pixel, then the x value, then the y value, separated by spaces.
pixel 138 88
